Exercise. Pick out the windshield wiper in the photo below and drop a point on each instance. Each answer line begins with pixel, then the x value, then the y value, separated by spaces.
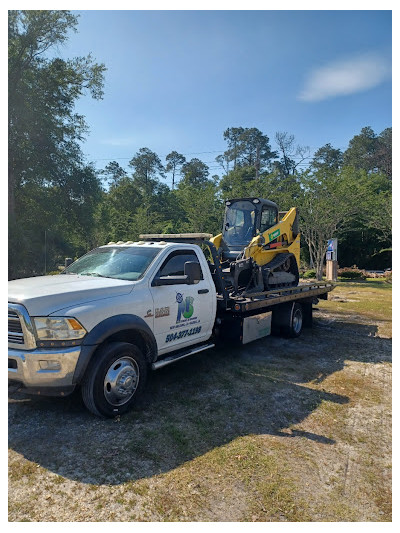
pixel 94 274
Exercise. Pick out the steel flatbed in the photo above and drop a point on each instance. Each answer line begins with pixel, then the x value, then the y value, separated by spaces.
pixel 306 292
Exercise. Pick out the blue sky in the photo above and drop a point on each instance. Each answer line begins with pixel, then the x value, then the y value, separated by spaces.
pixel 177 79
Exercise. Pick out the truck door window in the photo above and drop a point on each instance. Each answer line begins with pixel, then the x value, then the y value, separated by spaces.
pixel 174 265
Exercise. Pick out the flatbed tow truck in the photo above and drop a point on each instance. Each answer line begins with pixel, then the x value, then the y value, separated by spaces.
pixel 127 308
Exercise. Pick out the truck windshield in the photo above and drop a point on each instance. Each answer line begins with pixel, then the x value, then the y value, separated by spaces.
pixel 239 223
pixel 122 262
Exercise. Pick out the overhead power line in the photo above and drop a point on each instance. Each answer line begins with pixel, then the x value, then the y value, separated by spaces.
pixel 198 153
pixel 162 155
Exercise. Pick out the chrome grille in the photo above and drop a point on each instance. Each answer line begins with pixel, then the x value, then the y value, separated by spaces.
pixel 20 331
pixel 15 333
pixel 14 325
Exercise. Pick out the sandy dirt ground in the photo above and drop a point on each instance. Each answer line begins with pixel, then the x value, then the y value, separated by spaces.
pixel 277 430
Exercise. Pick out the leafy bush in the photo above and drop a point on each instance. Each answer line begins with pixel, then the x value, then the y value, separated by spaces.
pixel 352 273
pixel 376 275
pixel 388 277
pixel 309 274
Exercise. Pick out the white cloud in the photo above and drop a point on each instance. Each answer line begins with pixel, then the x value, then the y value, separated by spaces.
pixel 345 77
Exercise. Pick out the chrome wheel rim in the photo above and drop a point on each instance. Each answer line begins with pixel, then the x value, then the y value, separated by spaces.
pixel 121 381
pixel 297 321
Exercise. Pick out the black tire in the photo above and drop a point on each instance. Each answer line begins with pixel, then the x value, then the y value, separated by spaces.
pixel 115 378
pixel 294 327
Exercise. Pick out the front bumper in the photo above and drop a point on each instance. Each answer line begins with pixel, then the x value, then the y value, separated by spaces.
pixel 43 368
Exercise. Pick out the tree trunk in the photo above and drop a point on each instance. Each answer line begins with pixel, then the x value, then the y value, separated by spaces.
pixel 320 265
pixel 311 256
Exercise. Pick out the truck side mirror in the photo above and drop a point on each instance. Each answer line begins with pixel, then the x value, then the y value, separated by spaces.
pixel 193 272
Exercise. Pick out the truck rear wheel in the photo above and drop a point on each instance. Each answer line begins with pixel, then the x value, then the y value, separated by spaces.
pixel 287 320
pixel 114 380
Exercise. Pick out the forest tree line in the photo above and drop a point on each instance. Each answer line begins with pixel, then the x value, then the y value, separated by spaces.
pixel 62 206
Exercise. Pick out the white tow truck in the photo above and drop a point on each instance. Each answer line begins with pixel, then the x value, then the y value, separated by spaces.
pixel 126 308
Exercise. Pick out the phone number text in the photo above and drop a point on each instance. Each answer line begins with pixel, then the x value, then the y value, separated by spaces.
pixel 184 333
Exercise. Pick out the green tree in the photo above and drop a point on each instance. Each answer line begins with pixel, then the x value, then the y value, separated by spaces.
pixel 328 204
pixel 232 137
pixel 195 173
pixel 174 162
pixel 147 171
pixel 370 152
pixel 114 216
pixel 240 183
pixel 247 147
pixel 327 159
pixel 43 127
pixel 384 152
pixel 45 159
pixel 113 173
pixel 201 207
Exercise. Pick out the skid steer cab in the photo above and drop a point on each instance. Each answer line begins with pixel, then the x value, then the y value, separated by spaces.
pixel 259 246
pixel 244 219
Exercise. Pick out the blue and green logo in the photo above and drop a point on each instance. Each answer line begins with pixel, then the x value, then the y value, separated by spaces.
pixel 185 306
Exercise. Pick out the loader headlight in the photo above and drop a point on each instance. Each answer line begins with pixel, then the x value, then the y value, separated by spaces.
pixel 58 329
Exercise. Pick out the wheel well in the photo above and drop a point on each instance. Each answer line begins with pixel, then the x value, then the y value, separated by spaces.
pixel 133 337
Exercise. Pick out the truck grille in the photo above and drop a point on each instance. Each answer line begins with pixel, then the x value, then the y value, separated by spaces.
pixel 15 333
pixel 20 331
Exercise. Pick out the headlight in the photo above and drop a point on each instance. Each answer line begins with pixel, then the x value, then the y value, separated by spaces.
pixel 58 329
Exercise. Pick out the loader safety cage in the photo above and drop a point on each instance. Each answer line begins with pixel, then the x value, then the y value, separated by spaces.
pixel 246 302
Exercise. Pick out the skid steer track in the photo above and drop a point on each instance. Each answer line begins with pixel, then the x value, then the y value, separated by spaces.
pixel 281 272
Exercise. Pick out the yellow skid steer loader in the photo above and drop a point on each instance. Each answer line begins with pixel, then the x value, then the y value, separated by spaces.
pixel 259 248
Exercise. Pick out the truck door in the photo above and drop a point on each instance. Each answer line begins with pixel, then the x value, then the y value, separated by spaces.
pixel 183 314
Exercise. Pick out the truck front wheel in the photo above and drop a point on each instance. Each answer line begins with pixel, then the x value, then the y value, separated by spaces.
pixel 115 378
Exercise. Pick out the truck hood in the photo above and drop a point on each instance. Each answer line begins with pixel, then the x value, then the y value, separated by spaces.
pixel 44 295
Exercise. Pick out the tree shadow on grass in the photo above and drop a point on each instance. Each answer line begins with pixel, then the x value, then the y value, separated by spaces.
pixel 194 406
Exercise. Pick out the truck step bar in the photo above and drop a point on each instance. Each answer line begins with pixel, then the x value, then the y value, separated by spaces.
pixel 180 355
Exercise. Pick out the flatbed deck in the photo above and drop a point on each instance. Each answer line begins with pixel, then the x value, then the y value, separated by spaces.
pixel 262 300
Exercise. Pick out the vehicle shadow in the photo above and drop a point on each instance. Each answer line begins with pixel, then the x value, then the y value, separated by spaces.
pixel 194 406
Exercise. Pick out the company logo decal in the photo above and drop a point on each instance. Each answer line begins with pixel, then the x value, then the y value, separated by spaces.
pixel 274 235
pixel 186 316
pixel 185 307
